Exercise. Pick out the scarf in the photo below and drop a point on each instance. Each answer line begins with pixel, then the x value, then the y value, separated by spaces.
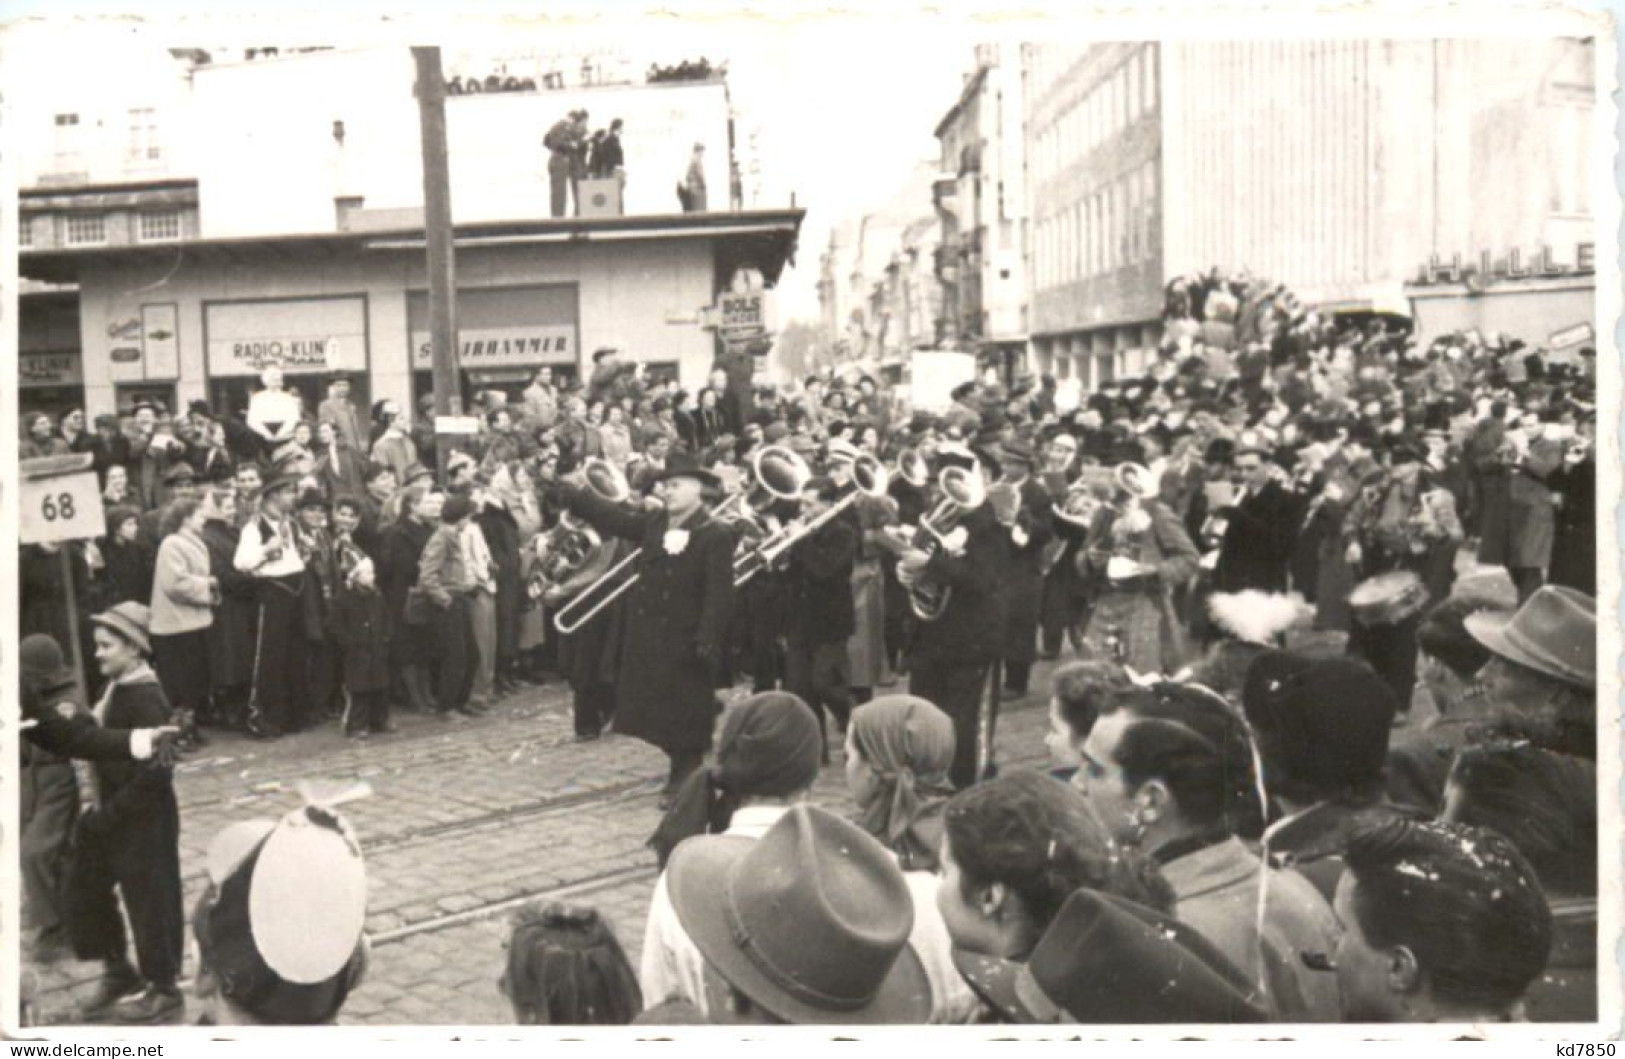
pixel 770 748
pixel 909 745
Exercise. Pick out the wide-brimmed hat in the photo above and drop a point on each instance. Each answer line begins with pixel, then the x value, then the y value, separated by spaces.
pixel 281 926
pixel 39 657
pixel 1554 632
pixel 811 921
pixel 131 621
pixel 684 465
pixel 1108 960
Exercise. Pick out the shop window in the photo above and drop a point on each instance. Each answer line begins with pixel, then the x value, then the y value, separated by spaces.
pixel 25 232
pixel 87 229
pixel 660 371
pixel 160 226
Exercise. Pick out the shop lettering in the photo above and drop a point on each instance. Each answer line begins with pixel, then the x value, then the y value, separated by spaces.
pixel 504 348
pixel 47 367
pixel 309 351
pixel 1512 266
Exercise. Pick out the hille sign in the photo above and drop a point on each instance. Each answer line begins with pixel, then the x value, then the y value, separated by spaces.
pixel 1511 266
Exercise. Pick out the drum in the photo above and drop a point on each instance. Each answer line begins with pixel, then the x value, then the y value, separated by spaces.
pixel 1388 599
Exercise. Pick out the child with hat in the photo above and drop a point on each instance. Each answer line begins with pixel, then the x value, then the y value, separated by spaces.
pixel 129 839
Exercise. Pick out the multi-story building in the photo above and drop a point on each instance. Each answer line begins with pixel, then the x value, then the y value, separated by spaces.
pixel 285 225
pixel 1340 168
pixel 981 198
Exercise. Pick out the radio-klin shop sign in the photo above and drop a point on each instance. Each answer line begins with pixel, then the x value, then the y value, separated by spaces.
pixel 301 336
pixel 496 347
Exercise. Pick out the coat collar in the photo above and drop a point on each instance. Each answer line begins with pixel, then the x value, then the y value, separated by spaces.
pixel 1217 866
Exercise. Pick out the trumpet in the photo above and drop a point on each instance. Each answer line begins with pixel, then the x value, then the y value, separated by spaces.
pixel 606 480
pixel 870 478
pixel 962 493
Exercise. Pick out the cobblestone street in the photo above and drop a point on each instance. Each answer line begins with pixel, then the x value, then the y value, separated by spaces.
pixel 468 821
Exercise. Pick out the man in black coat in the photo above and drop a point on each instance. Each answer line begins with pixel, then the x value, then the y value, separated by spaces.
pixel 676 617
pixel 821 610
pixel 1029 528
pixel 950 656
pixel 1260 528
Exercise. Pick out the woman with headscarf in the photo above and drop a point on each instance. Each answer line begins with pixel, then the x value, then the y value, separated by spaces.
pixel 898 751
pixel 767 761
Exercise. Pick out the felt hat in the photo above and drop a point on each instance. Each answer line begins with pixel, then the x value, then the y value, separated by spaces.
pixel 1321 721
pixel 811 921
pixel 684 465
pixel 840 451
pixel 280 928
pixel 131 621
pixel 314 498
pixel 180 472
pixel 603 351
pixel 1554 633
pixel 417 472
pixel 1015 451
pixel 40 659
pixel 1108 960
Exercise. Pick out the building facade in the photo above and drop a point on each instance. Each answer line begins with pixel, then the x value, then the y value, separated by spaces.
pixel 297 239
pixel 980 199
pixel 1340 168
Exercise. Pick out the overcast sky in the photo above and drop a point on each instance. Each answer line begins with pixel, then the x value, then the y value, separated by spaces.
pixel 846 116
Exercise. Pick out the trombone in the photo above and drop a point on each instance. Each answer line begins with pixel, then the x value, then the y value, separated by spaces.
pixel 870 478
pixel 606 480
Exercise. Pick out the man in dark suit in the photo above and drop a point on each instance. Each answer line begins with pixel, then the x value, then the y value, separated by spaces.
pixel 1022 504
pixel 820 610
pixel 950 656
pixel 1260 527
pixel 675 618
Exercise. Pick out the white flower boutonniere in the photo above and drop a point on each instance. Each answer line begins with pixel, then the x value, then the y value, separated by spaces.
pixel 675 541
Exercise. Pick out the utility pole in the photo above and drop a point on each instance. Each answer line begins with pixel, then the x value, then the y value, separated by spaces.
pixel 431 93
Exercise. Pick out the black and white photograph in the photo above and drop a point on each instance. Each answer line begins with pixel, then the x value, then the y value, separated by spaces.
pixel 612 523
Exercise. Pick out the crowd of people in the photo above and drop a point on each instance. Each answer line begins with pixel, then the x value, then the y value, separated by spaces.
pixel 1261 553
pixel 687 70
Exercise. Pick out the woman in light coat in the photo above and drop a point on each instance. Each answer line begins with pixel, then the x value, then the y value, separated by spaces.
pixel 184 595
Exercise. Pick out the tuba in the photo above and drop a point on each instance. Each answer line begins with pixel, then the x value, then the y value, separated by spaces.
pixel 1136 480
pixel 568 547
pixel 962 493
pixel 911 467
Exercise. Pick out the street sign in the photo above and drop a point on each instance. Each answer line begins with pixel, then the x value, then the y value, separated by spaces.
pixel 1571 336
pixel 61 500
pixel 742 314
pixel 456 424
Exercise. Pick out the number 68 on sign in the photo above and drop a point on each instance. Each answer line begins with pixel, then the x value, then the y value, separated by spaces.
pixel 60 500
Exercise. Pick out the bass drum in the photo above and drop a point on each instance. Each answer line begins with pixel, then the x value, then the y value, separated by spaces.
pixel 1388 599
